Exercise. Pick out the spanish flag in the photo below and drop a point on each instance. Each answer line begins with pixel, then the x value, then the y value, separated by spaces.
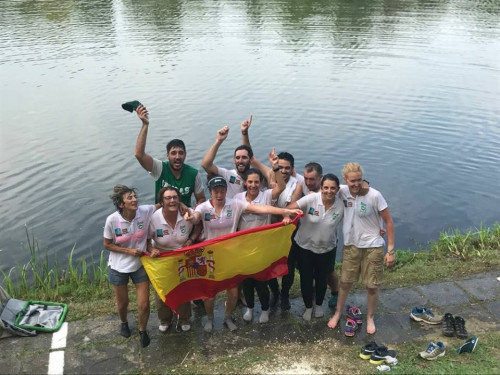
pixel 202 270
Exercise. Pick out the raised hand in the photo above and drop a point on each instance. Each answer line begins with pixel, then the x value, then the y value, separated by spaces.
pixel 223 133
pixel 143 114
pixel 245 125
pixel 273 158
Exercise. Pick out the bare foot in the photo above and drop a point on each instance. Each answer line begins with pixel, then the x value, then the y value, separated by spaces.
pixel 332 323
pixel 370 326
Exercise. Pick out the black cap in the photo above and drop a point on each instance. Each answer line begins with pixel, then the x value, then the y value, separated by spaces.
pixel 216 181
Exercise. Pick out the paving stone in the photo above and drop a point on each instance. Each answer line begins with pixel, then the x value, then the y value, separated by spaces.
pixel 401 299
pixel 481 289
pixel 444 294
pixel 494 308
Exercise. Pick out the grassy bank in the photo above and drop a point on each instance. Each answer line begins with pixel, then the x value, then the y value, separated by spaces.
pixel 83 285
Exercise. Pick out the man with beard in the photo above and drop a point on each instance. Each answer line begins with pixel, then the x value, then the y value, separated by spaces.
pixel 241 159
pixel 172 172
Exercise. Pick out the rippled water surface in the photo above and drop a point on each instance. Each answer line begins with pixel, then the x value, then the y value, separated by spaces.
pixel 410 89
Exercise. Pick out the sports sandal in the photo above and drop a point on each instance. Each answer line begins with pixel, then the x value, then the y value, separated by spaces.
pixel 350 327
pixel 354 313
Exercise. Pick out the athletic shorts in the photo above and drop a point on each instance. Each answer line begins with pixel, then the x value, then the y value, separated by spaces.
pixel 369 263
pixel 121 278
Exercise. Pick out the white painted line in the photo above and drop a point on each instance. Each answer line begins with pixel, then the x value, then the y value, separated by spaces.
pixel 56 363
pixel 56 356
pixel 59 337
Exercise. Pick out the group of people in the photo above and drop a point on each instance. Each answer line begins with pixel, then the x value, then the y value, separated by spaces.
pixel 249 195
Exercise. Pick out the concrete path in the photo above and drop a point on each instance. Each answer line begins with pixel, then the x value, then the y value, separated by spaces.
pixel 94 346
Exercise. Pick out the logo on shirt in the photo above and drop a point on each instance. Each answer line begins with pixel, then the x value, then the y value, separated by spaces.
pixel 159 233
pixel 232 179
pixel 124 230
pixel 313 211
pixel 335 216
pixel 183 229
pixel 118 232
pixel 207 216
pixel 140 224
pixel 363 207
pixel 229 213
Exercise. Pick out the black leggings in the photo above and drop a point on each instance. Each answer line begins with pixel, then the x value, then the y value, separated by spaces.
pixel 249 287
pixel 314 268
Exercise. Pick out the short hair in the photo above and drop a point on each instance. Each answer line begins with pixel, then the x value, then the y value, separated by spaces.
pixel 350 168
pixel 330 177
pixel 167 188
pixel 313 166
pixel 117 196
pixel 253 171
pixel 175 143
pixel 246 148
pixel 288 157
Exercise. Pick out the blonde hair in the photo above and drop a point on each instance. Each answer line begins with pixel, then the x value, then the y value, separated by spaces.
pixel 351 167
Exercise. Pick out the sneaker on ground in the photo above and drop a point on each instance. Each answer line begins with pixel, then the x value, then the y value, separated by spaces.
pixel 285 303
pixel 228 322
pixel 468 346
pixel 423 314
pixel 433 351
pixel 318 311
pixel 354 313
pixel 367 350
pixel 264 316
pixel 448 325
pixel 307 314
pixel 163 327
pixel 332 302
pixel 350 327
pixel 248 315
pixel 209 325
pixel 185 327
pixel 144 338
pixel 460 327
pixel 125 330
pixel 382 354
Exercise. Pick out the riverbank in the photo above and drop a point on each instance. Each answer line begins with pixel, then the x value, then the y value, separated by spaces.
pixel 285 345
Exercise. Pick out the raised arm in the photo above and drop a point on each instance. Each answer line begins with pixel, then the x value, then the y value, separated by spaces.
pixel 277 175
pixel 140 145
pixel 208 160
pixel 245 125
pixel 297 193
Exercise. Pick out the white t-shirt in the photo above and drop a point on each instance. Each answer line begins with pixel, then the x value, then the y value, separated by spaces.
pixel 318 229
pixel 286 195
pixel 234 181
pixel 166 238
pixel 131 234
pixel 362 221
pixel 218 225
pixel 254 220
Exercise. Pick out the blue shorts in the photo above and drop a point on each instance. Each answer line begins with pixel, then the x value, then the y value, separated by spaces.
pixel 121 278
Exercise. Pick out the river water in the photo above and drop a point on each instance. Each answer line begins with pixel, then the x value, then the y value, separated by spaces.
pixel 410 89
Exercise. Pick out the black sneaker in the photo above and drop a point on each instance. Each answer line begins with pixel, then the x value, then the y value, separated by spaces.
pixel 368 350
pixel 460 327
pixel 382 354
pixel 144 338
pixel 124 330
pixel 448 325
pixel 285 303
pixel 273 301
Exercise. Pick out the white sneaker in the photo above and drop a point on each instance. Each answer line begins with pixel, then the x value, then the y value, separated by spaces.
pixel 185 327
pixel 209 325
pixel 264 316
pixel 248 315
pixel 307 314
pixel 163 327
pixel 318 311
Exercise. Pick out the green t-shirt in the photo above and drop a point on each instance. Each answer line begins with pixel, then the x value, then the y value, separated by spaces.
pixel 185 184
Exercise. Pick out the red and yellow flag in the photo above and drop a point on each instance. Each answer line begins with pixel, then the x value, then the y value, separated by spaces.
pixel 202 270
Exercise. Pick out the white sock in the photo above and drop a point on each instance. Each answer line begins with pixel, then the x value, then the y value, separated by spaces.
pixel 307 314
pixel 318 311
pixel 264 316
pixel 248 316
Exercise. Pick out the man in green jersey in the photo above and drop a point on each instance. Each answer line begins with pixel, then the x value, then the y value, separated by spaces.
pixel 172 172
